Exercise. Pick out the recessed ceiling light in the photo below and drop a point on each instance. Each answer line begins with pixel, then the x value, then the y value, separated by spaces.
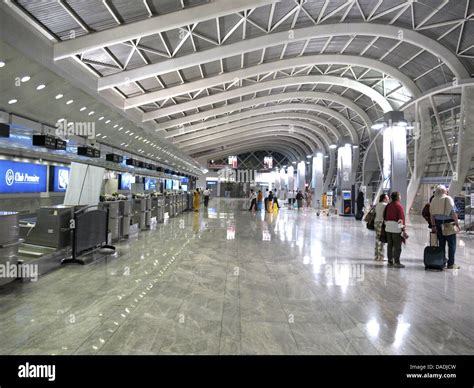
pixel 104 137
pixel 2 64
pixel 39 87
pixel 101 118
pixel 69 102
pixel 127 131
pixel 120 128
pixel 59 96
pixel 91 113
pixel 26 78
pixel 83 108
pixel 108 121
pixel 130 134
pixel 98 135
pixel 12 101
pixel 116 125
pixel 60 120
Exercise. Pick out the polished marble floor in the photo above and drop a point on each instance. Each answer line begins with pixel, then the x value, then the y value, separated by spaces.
pixel 228 281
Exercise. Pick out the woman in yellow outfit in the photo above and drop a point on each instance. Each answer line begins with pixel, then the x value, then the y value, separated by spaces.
pixel 196 200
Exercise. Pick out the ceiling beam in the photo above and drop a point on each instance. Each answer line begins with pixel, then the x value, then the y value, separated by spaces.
pixel 373 94
pixel 153 25
pixel 310 60
pixel 279 38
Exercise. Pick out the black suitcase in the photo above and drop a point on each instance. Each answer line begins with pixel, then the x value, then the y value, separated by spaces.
pixel 433 258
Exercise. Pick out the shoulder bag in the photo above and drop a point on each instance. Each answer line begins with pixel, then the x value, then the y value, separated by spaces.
pixel 447 228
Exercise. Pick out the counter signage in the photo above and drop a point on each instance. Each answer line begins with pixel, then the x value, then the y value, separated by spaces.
pixel 60 179
pixel 16 177
pixel 460 203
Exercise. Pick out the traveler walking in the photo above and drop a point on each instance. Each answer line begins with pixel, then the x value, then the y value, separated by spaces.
pixel 206 194
pixel 253 200
pixel 394 219
pixel 269 204
pixel 445 223
pixel 266 197
pixel 275 198
pixel 379 212
pixel 196 200
pixel 299 199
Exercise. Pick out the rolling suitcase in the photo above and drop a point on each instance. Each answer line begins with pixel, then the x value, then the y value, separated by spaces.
pixel 433 256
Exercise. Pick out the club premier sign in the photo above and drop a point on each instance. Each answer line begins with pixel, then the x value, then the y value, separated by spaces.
pixel 16 177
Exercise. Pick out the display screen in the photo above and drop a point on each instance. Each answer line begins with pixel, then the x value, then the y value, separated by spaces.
pixel 59 178
pixel 346 195
pixel 125 181
pixel 184 187
pixel 16 177
pixel 169 184
pixel 150 184
pixel 175 185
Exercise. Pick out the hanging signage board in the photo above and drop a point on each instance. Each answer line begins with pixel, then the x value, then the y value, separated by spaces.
pixel 16 177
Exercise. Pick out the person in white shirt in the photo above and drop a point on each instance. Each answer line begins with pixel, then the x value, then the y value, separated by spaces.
pixel 206 194
pixel 275 198
pixel 253 200
pixel 443 211
pixel 378 222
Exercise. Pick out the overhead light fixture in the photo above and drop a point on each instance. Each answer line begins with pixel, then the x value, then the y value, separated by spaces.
pixel 333 146
pixel 309 156
pixel 355 146
pixel 120 128
pixel 2 64
pixel 116 125
pixel 83 109
pixel 91 113
pixel 40 87
pixel 101 118
pixel 26 78
pixel 13 101
pixel 59 96
pixel 60 120
pixel 69 102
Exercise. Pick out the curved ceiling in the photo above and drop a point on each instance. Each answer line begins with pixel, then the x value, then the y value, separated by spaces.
pixel 210 75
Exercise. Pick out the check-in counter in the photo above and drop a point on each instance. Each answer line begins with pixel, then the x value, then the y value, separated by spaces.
pixel 52 227
pixel 9 242
pixel 126 212
pixel 139 212
pixel 115 218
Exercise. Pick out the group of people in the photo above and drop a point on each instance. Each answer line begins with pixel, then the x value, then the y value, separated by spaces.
pixel 197 198
pixel 390 219
pixel 270 199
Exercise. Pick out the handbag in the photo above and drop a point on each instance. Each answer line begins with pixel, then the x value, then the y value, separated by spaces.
pixel 383 232
pixel 447 228
pixel 370 219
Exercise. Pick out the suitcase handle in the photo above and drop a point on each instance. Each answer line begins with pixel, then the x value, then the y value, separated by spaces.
pixel 436 236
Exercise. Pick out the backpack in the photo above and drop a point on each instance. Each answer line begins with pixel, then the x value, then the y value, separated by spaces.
pixel 370 219
pixel 426 213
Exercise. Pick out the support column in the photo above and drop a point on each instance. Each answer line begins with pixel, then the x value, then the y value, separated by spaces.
pixel 331 170
pixel 465 141
pixel 301 176
pixel 318 180
pixel 291 178
pixel 344 180
pixel 424 132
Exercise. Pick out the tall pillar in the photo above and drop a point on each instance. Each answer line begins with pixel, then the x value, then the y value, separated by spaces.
pixel 291 178
pixel 465 141
pixel 301 176
pixel 423 133
pixel 344 179
pixel 318 179
pixel 395 172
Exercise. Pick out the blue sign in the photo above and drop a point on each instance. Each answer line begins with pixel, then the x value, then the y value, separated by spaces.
pixel 16 177
pixel 125 181
pixel 60 178
pixel 150 184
